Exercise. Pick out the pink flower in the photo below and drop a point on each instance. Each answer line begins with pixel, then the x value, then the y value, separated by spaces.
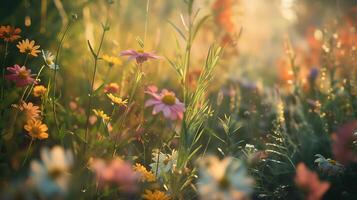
pixel 343 146
pixel 116 171
pixel 140 56
pixel 20 75
pixel 310 183
pixel 165 102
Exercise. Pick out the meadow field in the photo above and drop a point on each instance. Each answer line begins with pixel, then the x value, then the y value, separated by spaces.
pixel 178 99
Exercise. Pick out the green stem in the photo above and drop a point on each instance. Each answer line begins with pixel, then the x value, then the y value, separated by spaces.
pixel 26 59
pixel 183 149
pixel 3 71
pixel 55 75
pixel 89 107
pixel 33 84
pixel 146 19
pixel 131 97
pixel 27 153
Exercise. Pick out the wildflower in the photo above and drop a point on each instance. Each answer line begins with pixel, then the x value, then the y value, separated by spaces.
pixel 145 174
pixel 36 129
pixel 117 100
pixel 328 166
pixel 49 59
pixel 20 75
pixel 111 60
pixel 111 88
pixel 344 146
pixel 310 183
pixel 116 171
pixel 28 47
pixel 314 72
pixel 9 33
pixel 30 111
pixel 140 56
pixel 155 195
pixel 223 179
pixel 163 163
pixel 224 14
pixel 39 91
pixel 101 114
pixel 167 103
pixel 51 176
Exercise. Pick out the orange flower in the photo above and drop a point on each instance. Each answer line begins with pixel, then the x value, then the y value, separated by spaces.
pixel 145 174
pixel 224 14
pixel 31 112
pixel 155 195
pixel 310 183
pixel 9 33
pixel 28 47
pixel 36 129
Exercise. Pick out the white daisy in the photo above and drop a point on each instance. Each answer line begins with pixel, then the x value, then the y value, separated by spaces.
pixel 51 176
pixel 163 163
pixel 223 179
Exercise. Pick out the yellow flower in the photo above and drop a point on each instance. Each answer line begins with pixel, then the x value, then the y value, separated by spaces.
pixel 39 91
pixel 112 60
pixel 156 195
pixel 36 129
pixel 117 100
pixel 145 174
pixel 101 114
pixel 25 46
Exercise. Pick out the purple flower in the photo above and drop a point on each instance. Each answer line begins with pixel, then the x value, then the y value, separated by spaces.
pixel 140 56
pixel 165 102
pixel 20 75
pixel 314 72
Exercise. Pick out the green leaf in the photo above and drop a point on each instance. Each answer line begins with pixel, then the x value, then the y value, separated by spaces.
pixel 177 29
pixel 199 25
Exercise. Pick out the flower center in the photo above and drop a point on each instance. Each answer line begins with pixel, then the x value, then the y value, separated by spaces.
pixel 28 50
pixel 168 99
pixel 55 173
pixel 224 182
pixel 332 161
pixel 7 35
pixel 23 74
pixel 49 61
pixel 36 131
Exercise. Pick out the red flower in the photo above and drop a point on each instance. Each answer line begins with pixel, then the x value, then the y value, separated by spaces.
pixel 343 146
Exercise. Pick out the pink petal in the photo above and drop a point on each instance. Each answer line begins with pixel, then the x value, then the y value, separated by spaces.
pixel 129 53
pixel 151 102
pixel 157 108
pixel 173 115
pixel 167 112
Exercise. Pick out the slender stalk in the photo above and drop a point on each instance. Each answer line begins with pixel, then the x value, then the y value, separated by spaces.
pixel 55 75
pixel 3 71
pixel 138 77
pixel 146 19
pixel 90 96
pixel 33 84
pixel 186 68
pixel 26 59
pixel 27 153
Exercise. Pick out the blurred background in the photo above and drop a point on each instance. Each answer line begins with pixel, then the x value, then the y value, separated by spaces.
pixel 252 31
